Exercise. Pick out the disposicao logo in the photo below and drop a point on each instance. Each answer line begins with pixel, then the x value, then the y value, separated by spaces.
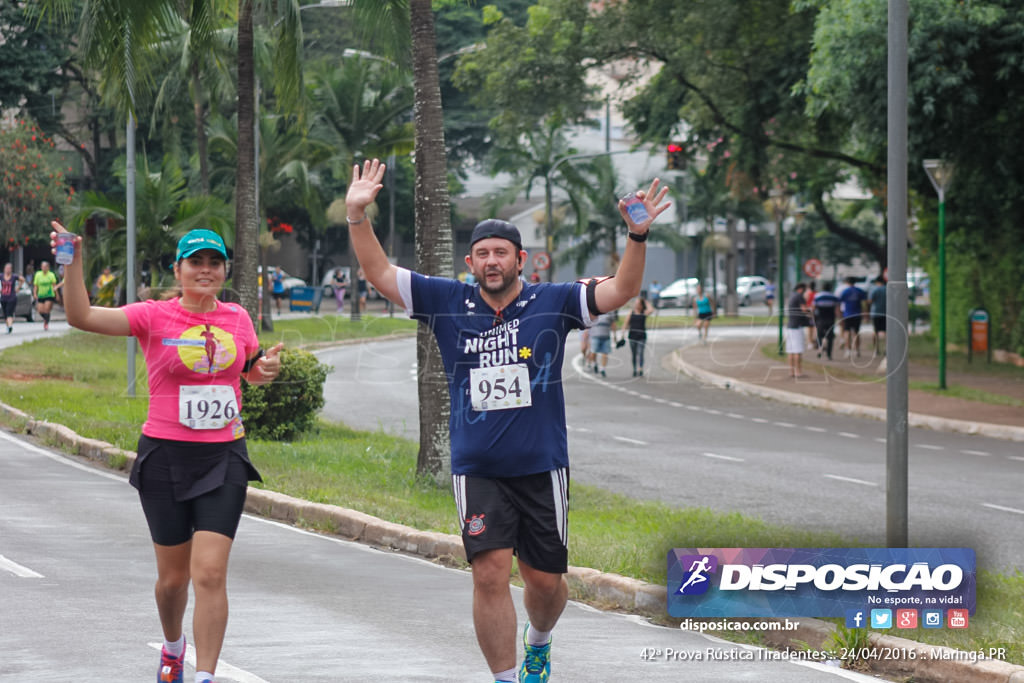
pixel 817 582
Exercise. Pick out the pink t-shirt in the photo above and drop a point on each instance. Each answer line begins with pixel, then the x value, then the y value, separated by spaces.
pixel 199 351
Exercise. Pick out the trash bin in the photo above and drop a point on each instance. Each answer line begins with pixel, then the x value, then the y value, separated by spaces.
pixel 305 298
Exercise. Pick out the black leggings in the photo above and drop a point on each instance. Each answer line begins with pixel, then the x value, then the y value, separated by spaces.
pixel 172 522
pixel 636 348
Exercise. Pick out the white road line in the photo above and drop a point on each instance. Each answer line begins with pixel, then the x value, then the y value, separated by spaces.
pixel 712 411
pixel 881 440
pixel 722 457
pixel 59 458
pixel 17 569
pixel 815 429
pixel 660 400
pixel 675 405
pixel 850 480
pixel 759 420
pixel 1015 457
pixel 693 407
pixel 982 453
pixel 849 435
pixel 783 424
pixel 736 416
pixel 929 447
pixel 635 442
pixel 223 668
pixel 1002 508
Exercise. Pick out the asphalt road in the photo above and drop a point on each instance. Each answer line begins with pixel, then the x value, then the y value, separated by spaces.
pixel 665 437
pixel 76 578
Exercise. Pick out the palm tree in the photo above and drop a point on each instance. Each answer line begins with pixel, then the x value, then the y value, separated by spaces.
pixel 283 16
pixel 394 21
pixel 196 56
pixel 595 185
pixel 165 212
pixel 361 110
pixel 433 234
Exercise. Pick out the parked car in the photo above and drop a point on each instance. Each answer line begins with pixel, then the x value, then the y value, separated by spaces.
pixel 24 307
pixel 679 294
pixel 751 289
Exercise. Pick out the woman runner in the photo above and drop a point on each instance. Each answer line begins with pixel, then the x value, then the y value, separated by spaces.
pixel 192 467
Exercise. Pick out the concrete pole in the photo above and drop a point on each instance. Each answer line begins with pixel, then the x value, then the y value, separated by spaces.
pixel 130 285
pixel 896 480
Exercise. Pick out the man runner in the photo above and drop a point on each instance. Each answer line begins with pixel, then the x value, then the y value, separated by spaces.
pixel 502 343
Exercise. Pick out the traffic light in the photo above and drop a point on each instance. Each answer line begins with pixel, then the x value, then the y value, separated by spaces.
pixel 674 159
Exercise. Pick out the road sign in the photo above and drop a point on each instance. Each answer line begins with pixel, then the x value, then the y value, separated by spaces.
pixel 541 260
pixel 813 268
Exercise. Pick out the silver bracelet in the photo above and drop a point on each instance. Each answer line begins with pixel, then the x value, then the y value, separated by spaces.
pixel 352 222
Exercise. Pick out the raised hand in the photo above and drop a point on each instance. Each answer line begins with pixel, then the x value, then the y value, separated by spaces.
pixel 363 187
pixel 652 200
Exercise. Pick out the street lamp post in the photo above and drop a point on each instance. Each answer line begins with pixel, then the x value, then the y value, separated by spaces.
pixel 940 173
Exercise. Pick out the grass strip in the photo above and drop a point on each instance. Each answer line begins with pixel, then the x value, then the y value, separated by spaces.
pixel 79 380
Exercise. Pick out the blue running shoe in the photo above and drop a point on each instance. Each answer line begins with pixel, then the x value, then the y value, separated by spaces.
pixel 536 666
pixel 171 669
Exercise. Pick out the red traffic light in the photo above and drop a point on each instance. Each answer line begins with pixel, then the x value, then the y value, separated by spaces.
pixel 675 159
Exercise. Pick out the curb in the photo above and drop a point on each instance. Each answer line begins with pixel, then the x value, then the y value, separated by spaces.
pixel 930 663
pixel 939 424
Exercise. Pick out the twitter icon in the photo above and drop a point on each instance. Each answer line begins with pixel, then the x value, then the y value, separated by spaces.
pixel 881 618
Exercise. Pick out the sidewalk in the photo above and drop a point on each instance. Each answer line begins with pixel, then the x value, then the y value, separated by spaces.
pixel 841 386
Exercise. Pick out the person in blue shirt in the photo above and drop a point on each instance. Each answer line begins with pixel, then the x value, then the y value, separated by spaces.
pixel 852 300
pixel 825 308
pixel 277 287
pixel 502 342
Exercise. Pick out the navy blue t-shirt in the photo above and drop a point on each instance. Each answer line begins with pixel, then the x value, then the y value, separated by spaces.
pixel 531 331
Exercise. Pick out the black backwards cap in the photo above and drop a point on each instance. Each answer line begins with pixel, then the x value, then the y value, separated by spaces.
pixel 493 227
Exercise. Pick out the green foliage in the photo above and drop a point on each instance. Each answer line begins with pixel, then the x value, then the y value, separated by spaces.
pixel 526 74
pixel 286 407
pixel 164 212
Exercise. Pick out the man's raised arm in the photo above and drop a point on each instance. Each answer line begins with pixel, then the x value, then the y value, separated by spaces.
pixel 362 190
pixel 613 293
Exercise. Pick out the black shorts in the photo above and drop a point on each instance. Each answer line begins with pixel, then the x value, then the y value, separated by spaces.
pixel 280 295
pixel 528 514
pixel 851 324
pixel 44 299
pixel 879 322
pixel 9 307
pixel 215 502
pixel 705 316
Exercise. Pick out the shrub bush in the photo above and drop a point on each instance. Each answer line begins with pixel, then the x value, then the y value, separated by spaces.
pixel 286 407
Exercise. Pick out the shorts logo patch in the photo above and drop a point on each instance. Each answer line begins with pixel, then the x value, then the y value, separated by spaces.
pixel 476 525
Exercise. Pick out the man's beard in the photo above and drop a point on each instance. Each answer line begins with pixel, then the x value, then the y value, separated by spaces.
pixel 507 280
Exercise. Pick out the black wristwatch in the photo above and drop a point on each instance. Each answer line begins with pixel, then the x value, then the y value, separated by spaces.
pixel 638 238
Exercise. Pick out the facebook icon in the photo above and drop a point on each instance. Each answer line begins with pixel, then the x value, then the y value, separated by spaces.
pixel 855 618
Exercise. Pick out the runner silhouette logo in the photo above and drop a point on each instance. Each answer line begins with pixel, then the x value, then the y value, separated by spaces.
pixel 697 579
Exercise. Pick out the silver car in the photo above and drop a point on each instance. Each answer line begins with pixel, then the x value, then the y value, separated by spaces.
pixel 751 289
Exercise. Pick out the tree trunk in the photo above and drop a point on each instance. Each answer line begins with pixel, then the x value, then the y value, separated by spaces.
pixel 246 252
pixel 433 237
pixel 731 304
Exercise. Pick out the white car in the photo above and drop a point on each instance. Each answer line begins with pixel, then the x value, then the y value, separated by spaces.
pixel 680 293
pixel 751 289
